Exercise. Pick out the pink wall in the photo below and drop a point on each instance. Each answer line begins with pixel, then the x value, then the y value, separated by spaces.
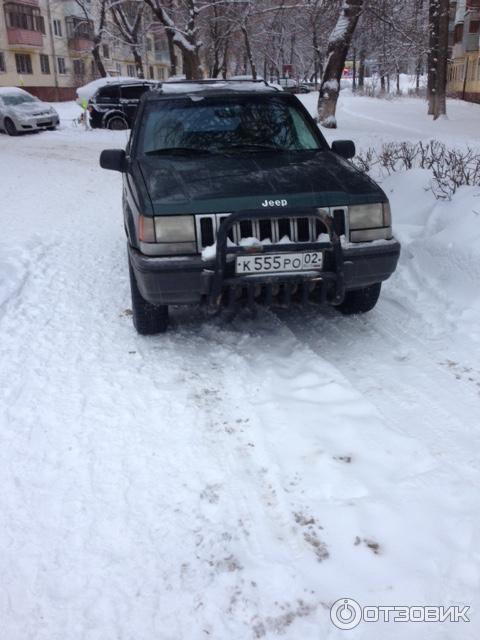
pixel 23 36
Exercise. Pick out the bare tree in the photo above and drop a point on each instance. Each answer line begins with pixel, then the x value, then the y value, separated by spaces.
pixel 438 57
pixel 338 46
pixel 128 18
pixel 186 37
pixel 95 14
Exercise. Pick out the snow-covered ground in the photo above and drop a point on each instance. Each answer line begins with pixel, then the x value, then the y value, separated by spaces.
pixel 232 481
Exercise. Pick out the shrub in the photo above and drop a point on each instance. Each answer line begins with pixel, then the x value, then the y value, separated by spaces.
pixel 451 168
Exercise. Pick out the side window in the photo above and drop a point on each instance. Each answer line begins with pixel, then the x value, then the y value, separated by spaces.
pixel 134 91
pixel 304 136
pixel 107 94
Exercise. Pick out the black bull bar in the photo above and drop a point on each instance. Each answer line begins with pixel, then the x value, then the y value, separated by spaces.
pixel 335 276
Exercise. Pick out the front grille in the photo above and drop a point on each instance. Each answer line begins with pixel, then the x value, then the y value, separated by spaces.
pixel 273 230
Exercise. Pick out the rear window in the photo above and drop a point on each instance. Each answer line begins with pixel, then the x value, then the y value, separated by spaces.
pixel 108 93
pixel 134 92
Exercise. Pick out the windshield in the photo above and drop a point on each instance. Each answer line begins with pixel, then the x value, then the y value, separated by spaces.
pixel 17 98
pixel 226 125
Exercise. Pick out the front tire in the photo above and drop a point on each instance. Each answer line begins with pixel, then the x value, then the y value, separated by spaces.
pixel 10 127
pixel 117 123
pixel 148 319
pixel 360 300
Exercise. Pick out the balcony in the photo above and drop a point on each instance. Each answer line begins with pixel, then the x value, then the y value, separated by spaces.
pixel 27 3
pixel 79 34
pixel 80 44
pixel 23 36
pixel 25 24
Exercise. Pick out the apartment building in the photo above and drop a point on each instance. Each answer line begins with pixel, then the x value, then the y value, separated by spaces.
pixel 45 48
pixel 464 68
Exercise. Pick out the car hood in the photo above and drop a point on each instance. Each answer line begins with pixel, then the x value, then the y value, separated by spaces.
pixel 31 109
pixel 227 183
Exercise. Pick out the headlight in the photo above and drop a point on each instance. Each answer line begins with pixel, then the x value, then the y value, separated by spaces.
pixel 175 229
pixel 167 235
pixel 366 216
pixel 370 222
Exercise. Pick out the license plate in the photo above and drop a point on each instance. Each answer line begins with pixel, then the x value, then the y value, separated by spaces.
pixel 44 123
pixel 279 262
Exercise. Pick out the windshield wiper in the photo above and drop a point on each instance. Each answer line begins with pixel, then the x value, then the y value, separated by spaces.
pixel 178 151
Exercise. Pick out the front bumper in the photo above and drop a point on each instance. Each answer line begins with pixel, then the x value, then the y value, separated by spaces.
pixel 38 123
pixel 190 280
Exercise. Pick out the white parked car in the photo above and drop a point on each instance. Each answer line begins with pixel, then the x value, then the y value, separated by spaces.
pixel 21 112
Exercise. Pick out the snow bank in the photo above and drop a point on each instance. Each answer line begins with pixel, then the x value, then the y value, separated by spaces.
pixel 441 240
pixel 68 111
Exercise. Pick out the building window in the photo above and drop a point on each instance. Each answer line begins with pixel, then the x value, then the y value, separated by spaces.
pixel 79 67
pixel 161 73
pixel 20 16
pixel 106 51
pixel 3 66
pixel 23 62
pixel 474 26
pixel 44 64
pixel 150 72
pixel 62 69
pixel 79 28
pixel 57 28
pixel 149 45
pixel 131 71
pixel 118 67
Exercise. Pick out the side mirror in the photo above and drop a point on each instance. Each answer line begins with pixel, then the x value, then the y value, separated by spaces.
pixel 344 148
pixel 113 159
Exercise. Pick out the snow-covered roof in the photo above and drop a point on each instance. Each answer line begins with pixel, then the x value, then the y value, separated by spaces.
pixel 8 91
pixel 88 90
pixel 217 85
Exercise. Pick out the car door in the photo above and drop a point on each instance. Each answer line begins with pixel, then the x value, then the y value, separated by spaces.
pixel 105 100
pixel 130 97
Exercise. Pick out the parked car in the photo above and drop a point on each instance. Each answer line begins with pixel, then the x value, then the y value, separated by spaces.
pixel 231 193
pixel 290 85
pixel 21 112
pixel 114 105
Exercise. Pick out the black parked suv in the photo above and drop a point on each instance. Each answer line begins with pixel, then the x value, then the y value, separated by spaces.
pixel 115 105
pixel 231 193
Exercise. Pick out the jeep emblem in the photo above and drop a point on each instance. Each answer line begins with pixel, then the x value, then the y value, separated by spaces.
pixel 275 203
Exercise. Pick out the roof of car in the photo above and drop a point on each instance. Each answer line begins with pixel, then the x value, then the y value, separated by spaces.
pixel 9 91
pixel 133 82
pixel 218 87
